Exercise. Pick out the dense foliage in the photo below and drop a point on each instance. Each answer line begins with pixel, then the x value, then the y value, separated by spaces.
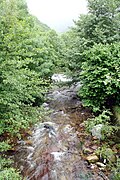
pixel 19 82
pixel 101 76
pixel 27 59
pixel 28 55
pixel 92 53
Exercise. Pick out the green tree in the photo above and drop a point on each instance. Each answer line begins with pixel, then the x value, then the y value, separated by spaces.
pixel 19 84
pixel 27 59
pixel 73 47
pixel 92 52
pixel 100 76
pixel 100 25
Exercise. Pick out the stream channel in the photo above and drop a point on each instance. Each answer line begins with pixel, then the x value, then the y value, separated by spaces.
pixel 53 151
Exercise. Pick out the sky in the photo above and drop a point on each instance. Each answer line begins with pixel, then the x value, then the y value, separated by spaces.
pixel 57 14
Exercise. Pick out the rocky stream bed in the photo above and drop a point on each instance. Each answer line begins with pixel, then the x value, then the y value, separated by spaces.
pixel 58 147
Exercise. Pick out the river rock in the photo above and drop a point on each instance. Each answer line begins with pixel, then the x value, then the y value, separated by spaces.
pixel 92 158
pixel 114 148
pixel 45 106
pixel 110 155
pixel 63 177
pixel 94 147
pixel 87 150
pixel 93 166
pixel 96 131
pixel 75 87
pixel 100 164
pixel 28 142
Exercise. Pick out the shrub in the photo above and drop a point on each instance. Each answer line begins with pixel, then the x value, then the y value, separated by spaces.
pixel 6 172
pixel 106 153
pixel 100 76
pixel 104 118
pixel 9 174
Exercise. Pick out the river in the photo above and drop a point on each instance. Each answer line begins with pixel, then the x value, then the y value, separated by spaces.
pixel 53 150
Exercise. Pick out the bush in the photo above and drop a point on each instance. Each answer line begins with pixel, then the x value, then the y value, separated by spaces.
pixel 104 118
pixel 9 174
pixel 116 171
pixel 107 155
pixel 6 172
pixel 100 76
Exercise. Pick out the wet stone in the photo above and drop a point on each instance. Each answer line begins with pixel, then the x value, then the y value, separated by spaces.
pixel 100 164
pixel 92 158
pixel 94 147
pixel 87 150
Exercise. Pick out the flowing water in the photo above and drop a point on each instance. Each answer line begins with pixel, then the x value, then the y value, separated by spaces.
pixel 52 152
